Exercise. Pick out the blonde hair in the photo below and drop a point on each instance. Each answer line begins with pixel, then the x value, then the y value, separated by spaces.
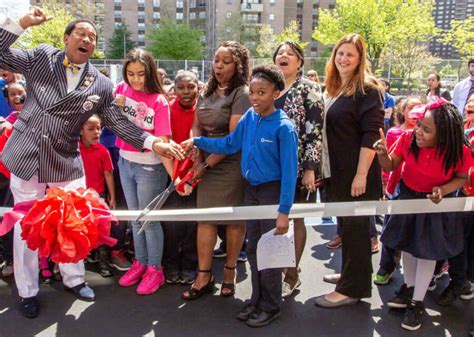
pixel 362 76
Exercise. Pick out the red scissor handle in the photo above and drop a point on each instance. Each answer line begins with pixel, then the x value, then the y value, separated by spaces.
pixel 187 179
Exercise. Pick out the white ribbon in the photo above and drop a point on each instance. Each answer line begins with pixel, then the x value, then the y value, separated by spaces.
pixel 356 208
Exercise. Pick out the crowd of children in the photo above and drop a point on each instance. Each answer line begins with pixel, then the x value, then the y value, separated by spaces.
pixel 427 141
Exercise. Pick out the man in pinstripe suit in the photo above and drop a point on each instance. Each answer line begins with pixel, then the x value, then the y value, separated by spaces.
pixel 64 90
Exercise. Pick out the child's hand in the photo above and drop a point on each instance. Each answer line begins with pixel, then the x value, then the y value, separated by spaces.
pixel 380 146
pixel 120 101
pixel 112 203
pixel 437 195
pixel 188 189
pixel 187 145
pixel 282 224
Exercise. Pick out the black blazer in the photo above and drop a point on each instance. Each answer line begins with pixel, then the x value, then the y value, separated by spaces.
pixel 351 123
pixel 46 135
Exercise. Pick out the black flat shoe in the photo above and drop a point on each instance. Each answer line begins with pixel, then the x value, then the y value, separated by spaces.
pixel 245 312
pixel 194 293
pixel 83 292
pixel 261 318
pixel 29 307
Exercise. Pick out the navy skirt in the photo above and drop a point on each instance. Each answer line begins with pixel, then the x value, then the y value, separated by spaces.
pixel 430 236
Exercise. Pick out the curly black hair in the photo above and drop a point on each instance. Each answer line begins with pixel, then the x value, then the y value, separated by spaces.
pixel 271 73
pixel 241 56
pixel 449 136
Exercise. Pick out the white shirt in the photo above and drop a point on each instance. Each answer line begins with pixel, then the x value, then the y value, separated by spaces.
pixel 461 90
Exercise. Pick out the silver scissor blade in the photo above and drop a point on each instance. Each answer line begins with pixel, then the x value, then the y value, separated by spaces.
pixel 164 196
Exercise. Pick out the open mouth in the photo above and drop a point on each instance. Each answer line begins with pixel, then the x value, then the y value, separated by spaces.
pixel 83 50
pixel 283 63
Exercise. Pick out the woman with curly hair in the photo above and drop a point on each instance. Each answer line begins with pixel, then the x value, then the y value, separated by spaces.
pixel 303 103
pixel 223 101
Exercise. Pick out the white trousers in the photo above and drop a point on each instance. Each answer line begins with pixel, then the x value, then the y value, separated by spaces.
pixel 25 260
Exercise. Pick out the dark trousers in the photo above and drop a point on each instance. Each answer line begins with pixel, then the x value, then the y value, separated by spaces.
pixel 460 266
pixel 372 228
pixel 356 268
pixel 266 284
pixel 387 256
pixel 180 251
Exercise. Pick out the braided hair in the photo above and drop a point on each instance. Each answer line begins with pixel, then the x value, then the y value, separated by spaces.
pixel 240 56
pixel 449 136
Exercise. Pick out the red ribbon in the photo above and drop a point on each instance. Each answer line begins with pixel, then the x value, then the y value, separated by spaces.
pixel 183 169
pixel 419 111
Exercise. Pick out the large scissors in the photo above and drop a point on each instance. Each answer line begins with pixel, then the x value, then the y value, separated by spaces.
pixel 181 169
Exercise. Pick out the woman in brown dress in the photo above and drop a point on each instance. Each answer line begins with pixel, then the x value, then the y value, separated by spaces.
pixel 222 103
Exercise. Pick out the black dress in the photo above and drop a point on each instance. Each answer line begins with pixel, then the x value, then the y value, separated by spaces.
pixel 351 124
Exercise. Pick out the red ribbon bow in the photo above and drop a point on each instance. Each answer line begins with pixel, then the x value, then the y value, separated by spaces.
pixel 419 111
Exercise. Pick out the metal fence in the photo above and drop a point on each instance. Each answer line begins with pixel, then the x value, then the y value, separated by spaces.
pixel 451 71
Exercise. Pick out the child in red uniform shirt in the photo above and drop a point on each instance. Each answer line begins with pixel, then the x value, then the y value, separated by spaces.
pixel 436 162
pixel 98 170
pixel 180 252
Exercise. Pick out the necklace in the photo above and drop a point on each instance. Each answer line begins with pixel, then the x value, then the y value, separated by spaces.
pixel 221 88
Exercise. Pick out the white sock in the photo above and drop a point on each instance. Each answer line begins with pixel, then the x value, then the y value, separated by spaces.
pixel 409 269
pixel 424 273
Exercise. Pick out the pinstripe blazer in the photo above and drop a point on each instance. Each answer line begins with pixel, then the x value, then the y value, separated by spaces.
pixel 45 136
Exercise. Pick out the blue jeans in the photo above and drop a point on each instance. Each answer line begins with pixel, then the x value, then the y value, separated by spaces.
pixel 141 183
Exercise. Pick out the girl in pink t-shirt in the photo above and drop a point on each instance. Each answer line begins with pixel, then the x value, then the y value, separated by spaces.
pixel 436 161
pixel 142 174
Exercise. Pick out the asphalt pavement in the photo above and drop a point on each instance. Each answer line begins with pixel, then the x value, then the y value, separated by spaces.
pixel 121 312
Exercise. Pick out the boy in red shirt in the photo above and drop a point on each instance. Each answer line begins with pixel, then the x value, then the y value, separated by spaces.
pixel 179 251
pixel 98 170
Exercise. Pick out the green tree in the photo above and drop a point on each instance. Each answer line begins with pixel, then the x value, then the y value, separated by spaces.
pixel 461 36
pixel 395 23
pixel 176 41
pixel 268 41
pixel 50 32
pixel 120 39
pixel 235 28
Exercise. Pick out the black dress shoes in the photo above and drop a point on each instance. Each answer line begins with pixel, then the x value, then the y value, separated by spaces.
pixel 83 292
pixel 245 312
pixel 261 318
pixel 29 307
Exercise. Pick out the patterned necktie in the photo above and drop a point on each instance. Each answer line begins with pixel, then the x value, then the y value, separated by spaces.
pixel 471 91
pixel 74 67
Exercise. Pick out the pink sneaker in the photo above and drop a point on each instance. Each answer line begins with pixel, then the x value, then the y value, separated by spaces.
pixel 151 281
pixel 133 275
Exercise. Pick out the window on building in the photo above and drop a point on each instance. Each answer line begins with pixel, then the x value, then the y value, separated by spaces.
pixel 202 15
pixel 141 2
pixel 179 4
pixel 228 15
pixel 229 2
pixel 179 16
pixel 272 2
pixel 202 3
pixel 117 2
pixel 271 16
pixel 156 15
pixel 117 14
pixel 141 26
pixel 141 37
pixel 141 15
pixel 192 4
pixel 192 16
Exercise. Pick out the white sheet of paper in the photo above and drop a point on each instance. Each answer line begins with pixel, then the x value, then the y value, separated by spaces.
pixel 276 251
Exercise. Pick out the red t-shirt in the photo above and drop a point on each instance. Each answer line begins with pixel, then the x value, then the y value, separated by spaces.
pixel 427 172
pixel 469 187
pixel 181 121
pixel 96 160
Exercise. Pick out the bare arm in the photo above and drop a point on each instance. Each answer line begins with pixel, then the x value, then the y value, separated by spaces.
pixel 109 181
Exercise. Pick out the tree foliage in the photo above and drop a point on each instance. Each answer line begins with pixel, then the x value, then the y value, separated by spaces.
pixel 268 41
pixel 120 37
pixel 382 23
pixel 176 41
pixel 235 28
pixel 50 32
pixel 461 36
